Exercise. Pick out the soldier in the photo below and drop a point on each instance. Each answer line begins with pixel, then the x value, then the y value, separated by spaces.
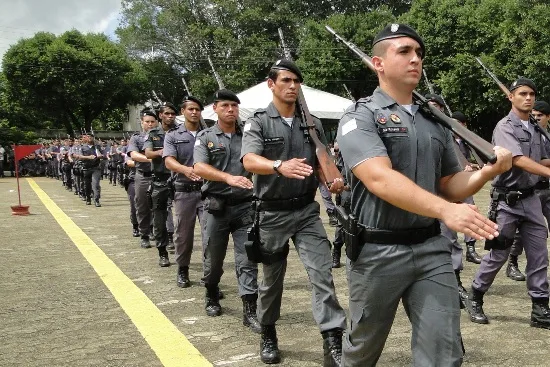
pixel 188 204
pixel 541 112
pixel 121 166
pixel 66 166
pixel 160 186
pixel 112 156
pixel 275 148
pixel 91 156
pixel 76 166
pixel 129 185
pixel 342 199
pixel 404 170
pixel 143 175
pixel 228 193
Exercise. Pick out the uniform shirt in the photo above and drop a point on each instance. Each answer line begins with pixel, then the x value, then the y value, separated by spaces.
pixel 136 144
pixel 267 134
pixel 510 133
pixel 94 150
pixel 155 141
pixel 179 143
pixel 215 148
pixel 418 148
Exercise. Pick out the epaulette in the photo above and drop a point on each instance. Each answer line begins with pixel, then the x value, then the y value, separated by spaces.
pixel 174 128
pixel 259 111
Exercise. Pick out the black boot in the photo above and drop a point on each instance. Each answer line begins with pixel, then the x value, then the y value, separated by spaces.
pixel 336 254
pixel 512 270
pixel 462 292
pixel 163 257
pixel 332 220
pixel 250 318
pixel 145 242
pixel 269 348
pixel 88 201
pixel 540 314
pixel 183 277
pixel 471 254
pixel 213 307
pixel 475 307
pixel 170 241
pixel 135 231
pixel 332 348
pixel 97 204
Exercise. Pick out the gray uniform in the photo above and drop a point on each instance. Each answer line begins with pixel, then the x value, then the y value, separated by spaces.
pixel 179 143
pixel 92 173
pixel 268 135
pixel 142 182
pixel 222 152
pixel 421 275
pixel 525 216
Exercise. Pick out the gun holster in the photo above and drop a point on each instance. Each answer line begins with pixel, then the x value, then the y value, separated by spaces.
pixel 214 205
pixel 171 188
pixel 498 243
pixel 252 244
pixel 150 196
pixel 351 230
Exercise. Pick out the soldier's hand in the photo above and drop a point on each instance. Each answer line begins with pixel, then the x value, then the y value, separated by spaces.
pixel 296 168
pixel 465 218
pixel 190 173
pixel 337 186
pixel 503 163
pixel 239 181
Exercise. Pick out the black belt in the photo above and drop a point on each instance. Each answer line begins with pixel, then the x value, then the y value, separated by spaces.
pixel 400 237
pixel 188 187
pixel 287 204
pixel 519 194
pixel 232 201
pixel 145 173
pixel 542 185
pixel 160 178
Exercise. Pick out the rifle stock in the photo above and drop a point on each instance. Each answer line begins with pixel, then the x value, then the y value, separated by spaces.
pixel 483 147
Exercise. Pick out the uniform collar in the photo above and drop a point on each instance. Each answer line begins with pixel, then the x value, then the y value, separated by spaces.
pixel 182 128
pixel 274 113
pixel 516 121
pixel 382 98
pixel 218 131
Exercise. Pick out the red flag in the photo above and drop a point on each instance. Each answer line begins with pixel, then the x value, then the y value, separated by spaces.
pixel 21 151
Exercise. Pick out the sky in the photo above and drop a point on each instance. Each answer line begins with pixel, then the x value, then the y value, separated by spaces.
pixel 26 17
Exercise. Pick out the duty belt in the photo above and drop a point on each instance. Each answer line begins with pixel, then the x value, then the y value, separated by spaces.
pixel 188 187
pixel 400 237
pixel 160 177
pixel 510 194
pixel 145 173
pixel 287 204
pixel 232 201
pixel 542 185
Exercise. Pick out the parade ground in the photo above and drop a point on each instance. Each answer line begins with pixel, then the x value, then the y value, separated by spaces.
pixel 76 289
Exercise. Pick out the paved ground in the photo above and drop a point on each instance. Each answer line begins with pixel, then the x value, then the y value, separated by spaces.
pixel 55 309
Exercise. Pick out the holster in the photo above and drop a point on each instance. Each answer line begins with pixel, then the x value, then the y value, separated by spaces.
pixel 351 230
pixel 496 243
pixel 149 193
pixel 252 244
pixel 171 188
pixel 214 205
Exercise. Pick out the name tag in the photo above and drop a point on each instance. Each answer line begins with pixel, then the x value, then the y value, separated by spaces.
pixel 217 150
pixel 392 130
pixel 524 140
pixel 274 140
pixel 182 141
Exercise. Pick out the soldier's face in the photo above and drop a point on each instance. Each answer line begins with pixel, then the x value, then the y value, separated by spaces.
pixel 227 111
pixel 523 99
pixel 402 62
pixel 285 89
pixel 148 123
pixel 168 116
pixel 541 118
pixel 191 112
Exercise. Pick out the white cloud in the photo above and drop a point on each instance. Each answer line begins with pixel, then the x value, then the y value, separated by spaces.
pixel 26 17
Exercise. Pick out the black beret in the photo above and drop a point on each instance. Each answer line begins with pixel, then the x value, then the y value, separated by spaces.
pixel 521 82
pixel 399 30
pixel 288 65
pixel 226 95
pixel 165 105
pixel 542 106
pixel 192 99
pixel 149 113
pixel 457 115
pixel 435 98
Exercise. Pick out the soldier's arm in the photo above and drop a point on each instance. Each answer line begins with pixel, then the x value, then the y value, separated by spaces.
pixel 138 157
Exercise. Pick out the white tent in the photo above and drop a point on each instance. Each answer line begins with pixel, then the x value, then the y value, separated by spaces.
pixel 321 104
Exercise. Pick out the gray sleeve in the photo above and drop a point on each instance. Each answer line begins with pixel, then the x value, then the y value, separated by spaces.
pixel 148 142
pixel 253 139
pixel 358 137
pixel 449 161
pixel 200 151
pixel 132 146
pixel 503 136
pixel 169 149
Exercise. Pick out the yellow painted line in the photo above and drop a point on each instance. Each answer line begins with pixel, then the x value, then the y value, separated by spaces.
pixel 170 345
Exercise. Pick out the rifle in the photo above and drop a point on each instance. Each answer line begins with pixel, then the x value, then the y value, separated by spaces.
pixel 506 91
pixel 483 147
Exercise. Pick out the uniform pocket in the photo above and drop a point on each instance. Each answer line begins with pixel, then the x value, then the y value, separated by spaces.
pixel 398 147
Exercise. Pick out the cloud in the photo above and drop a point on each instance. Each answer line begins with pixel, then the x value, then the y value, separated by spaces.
pixel 26 17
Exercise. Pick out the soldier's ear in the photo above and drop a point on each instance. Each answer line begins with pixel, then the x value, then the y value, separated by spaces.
pixel 270 83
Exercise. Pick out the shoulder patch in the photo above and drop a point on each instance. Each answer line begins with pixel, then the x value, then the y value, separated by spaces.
pixel 349 126
pixel 197 142
pixel 247 126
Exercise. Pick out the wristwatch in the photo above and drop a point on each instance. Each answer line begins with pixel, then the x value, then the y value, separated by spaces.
pixel 276 166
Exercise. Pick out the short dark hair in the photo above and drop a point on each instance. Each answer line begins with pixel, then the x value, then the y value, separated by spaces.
pixel 273 74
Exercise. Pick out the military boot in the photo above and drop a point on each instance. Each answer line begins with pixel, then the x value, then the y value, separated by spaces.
pixel 183 277
pixel 540 314
pixel 332 220
pixel 336 254
pixel 170 245
pixel 163 257
pixel 135 231
pixel 144 243
pixel 462 292
pixel 269 349
pixel 332 348
pixel 471 254
pixel 250 318
pixel 512 270
pixel 97 204
pixel 475 307
pixel 213 307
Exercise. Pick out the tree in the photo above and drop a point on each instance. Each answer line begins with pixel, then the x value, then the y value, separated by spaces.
pixel 71 79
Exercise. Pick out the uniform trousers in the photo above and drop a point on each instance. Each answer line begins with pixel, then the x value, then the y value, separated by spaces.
pixel 234 220
pixel 132 198
pixel 326 196
pixel 544 195
pixel 421 276
pixel 91 183
pixel 526 217
pixel 306 230
pixel 456 254
pixel 160 194
pixel 188 206
pixel 143 210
